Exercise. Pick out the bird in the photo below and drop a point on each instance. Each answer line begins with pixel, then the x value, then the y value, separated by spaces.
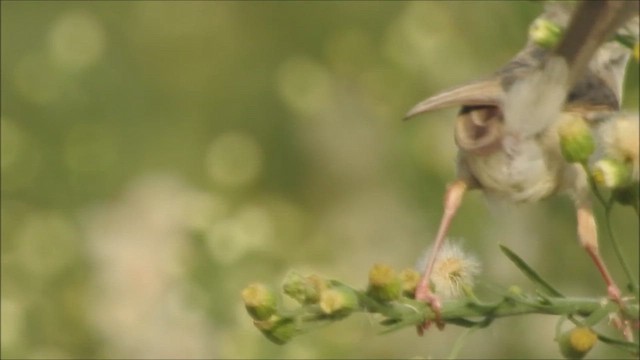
pixel 507 127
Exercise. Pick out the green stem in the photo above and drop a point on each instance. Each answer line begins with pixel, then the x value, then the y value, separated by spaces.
pixel 592 184
pixel 616 247
pixel 458 309
pixel 457 345
pixel 618 252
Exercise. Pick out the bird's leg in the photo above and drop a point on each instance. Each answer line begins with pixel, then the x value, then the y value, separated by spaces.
pixel 452 199
pixel 588 235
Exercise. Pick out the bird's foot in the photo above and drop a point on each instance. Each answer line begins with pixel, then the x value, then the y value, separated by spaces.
pixel 615 295
pixel 619 322
pixel 425 295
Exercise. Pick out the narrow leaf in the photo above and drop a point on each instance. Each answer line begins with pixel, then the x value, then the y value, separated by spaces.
pixel 529 272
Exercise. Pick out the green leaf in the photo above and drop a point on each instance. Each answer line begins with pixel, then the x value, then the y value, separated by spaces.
pixel 529 272
pixel 624 345
pixel 598 315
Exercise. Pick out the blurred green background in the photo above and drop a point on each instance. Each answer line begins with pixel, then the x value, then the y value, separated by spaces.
pixel 271 131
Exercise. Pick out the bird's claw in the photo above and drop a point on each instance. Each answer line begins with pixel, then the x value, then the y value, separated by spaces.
pixel 615 295
pixel 425 295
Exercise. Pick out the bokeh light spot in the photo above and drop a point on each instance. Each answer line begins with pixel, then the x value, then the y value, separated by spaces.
pixel 11 320
pixel 250 229
pixel 304 85
pixel 90 148
pixel 37 80
pixel 48 242
pixel 234 159
pixel 19 159
pixel 203 208
pixel 11 143
pixel 76 40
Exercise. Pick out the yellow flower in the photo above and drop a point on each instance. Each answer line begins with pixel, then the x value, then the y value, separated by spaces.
pixel 576 343
pixel 409 279
pixel 384 283
pixel 338 300
pixel 259 301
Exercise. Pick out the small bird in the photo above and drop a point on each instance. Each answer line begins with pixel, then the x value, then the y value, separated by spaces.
pixel 507 126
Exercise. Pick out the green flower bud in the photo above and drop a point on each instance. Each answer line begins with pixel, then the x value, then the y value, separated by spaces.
pixel 544 33
pixel 409 279
pixel 576 140
pixel 278 330
pixel 611 173
pixel 384 283
pixel 305 290
pixel 297 287
pixel 576 343
pixel 259 301
pixel 339 300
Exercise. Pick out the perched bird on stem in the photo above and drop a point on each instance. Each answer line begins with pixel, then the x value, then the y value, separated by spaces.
pixel 507 130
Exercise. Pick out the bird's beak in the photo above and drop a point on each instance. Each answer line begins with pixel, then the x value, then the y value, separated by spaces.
pixel 486 92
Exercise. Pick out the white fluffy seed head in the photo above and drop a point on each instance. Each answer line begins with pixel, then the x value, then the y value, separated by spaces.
pixel 619 138
pixel 453 270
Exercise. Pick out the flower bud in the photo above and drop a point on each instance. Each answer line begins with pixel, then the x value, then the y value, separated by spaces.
pixel 611 173
pixel 576 140
pixel 409 279
pixel 278 330
pixel 577 342
pixel 636 51
pixel 544 33
pixel 259 301
pixel 305 290
pixel 338 300
pixel 384 283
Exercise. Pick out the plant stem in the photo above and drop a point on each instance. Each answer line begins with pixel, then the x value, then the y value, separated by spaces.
pixel 593 185
pixel 618 252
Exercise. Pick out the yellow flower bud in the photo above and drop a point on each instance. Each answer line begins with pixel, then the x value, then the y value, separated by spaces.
pixel 576 140
pixel 576 343
pixel 384 283
pixel 338 300
pixel 409 279
pixel 305 290
pixel 259 301
pixel 544 33
pixel 611 173
pixel 278 330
